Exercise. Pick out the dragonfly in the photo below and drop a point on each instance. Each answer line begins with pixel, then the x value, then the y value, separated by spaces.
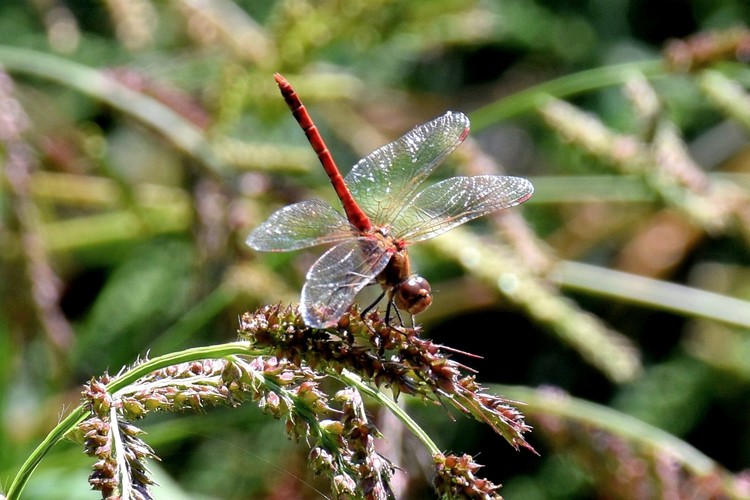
pixel 384 212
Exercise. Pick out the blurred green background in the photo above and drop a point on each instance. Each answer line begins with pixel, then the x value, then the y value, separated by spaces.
pixel 141 141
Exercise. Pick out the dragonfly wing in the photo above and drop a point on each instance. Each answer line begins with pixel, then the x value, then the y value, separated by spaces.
pixel 300 225
pixel 336 278
pixel 386 179
pixel 452 202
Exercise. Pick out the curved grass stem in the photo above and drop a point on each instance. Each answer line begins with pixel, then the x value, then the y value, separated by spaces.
pixel 352 379
pixel 125 379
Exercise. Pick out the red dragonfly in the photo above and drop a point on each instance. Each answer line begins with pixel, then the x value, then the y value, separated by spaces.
pixel 385 212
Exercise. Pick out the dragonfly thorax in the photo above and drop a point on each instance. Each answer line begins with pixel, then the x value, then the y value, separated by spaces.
pixel 398 268
pixel 409 292
pixel 385 233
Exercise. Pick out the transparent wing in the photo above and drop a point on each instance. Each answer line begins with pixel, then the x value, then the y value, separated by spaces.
pixel 336 278
pixel 300 225
pixel 386 179
pixel 452 202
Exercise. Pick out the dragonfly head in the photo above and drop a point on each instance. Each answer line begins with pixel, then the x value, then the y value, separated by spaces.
pixel 413 295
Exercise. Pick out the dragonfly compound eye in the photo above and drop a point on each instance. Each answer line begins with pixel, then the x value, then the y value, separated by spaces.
pixel 413 295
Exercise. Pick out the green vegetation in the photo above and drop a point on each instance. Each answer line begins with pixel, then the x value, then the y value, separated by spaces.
pixel 141 141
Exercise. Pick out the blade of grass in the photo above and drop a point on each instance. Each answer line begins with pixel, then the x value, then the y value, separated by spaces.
pixel 116 226
pixel 544 402
pixel 685 300
pixel 182 134
pixel 589 188
pixel 564 86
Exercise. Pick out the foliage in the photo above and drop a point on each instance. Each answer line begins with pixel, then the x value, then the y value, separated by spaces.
pixel 141 141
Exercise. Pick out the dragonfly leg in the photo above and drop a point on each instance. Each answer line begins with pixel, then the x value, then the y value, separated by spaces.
pixel 392 305
pixel 375 302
